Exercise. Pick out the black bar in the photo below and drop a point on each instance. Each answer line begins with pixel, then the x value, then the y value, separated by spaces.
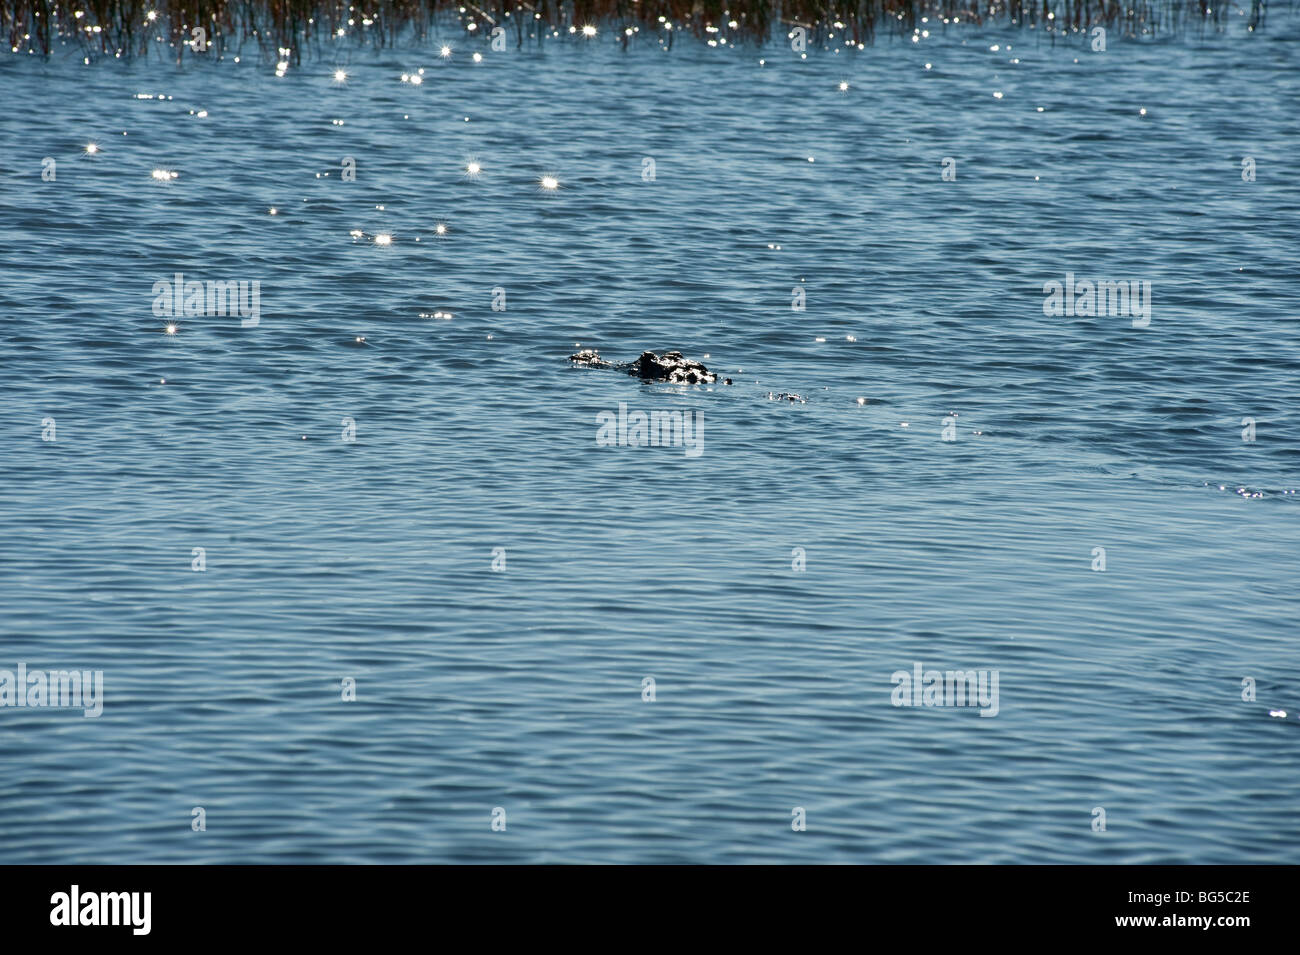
pixel 335 904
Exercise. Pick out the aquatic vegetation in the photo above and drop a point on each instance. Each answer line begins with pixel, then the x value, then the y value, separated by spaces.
pixel 289 28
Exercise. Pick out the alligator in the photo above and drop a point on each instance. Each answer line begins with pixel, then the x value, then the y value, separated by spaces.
pixel 672 367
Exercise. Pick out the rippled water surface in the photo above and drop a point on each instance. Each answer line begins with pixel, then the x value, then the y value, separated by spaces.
pixel 522 688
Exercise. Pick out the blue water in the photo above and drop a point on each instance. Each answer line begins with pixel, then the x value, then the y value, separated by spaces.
pixel 521 688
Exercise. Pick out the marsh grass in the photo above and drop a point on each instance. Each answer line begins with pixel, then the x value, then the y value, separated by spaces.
pixel 288 29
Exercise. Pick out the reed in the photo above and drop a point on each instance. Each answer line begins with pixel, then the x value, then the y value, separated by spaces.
pixel 165 28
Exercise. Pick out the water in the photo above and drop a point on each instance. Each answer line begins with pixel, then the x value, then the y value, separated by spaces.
pixel 522 688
